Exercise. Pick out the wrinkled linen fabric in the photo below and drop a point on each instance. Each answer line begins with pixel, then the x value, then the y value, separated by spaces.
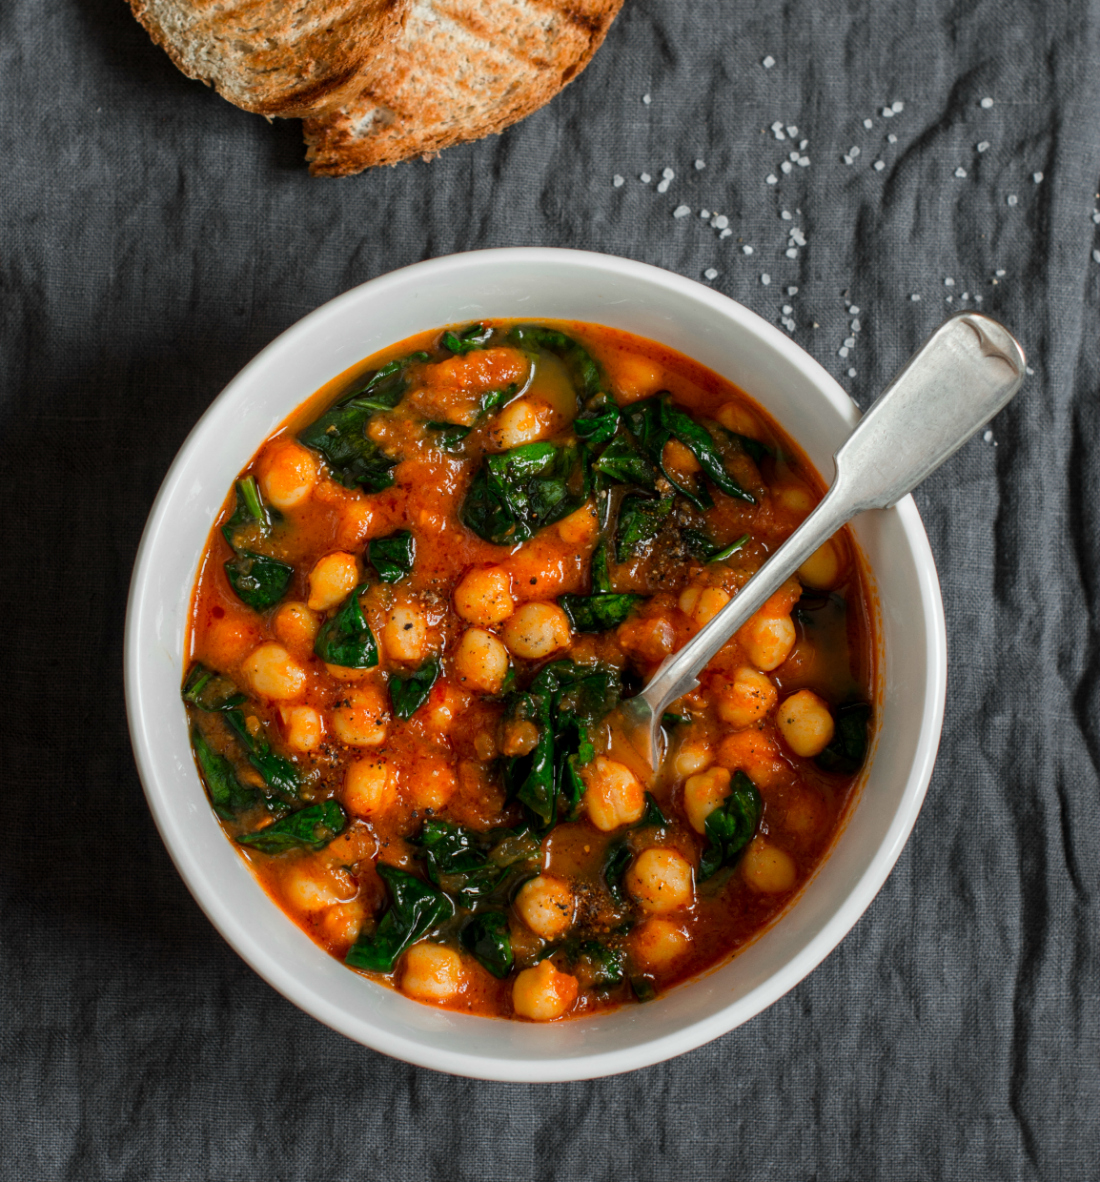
pixel 155 238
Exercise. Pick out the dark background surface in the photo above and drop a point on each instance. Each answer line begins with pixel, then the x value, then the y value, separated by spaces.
pixel 155 238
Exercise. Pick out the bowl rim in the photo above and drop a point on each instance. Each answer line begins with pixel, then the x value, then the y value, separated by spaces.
pixel 643 1053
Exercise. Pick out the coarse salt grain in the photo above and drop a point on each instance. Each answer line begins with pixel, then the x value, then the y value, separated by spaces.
pixel 1096 219
pixel 792 291
pixel 986 104
pixel 787 309
pixel 681 211
pixel 891 138
pixel 1096 256
pixel 842 351
pixel 1012 199
pixel 647 99
pixel 765 279
pixel 768 62
pixel 793 157
pixel 786 166
pixel 617 181
pixel 771 179
pixel 960 173
pixel 662 186
pixel 777 130
pixel 853 310
pixel 949 299
pixel 803 162
pixel 999 274
pixel 988 436
pixel 983 146
pixel 797 237
pixel 667 173
pixel 700 165
pixel 887 113
pixel 746 249
pixel 804 144
pixel 846 159
pixel 792 131
pixel 704 213
pixel 868 124
pixel 851 373
pixel 725 234
pixel 1037 177
pixel 721 222
pixel 966 295
pixel 915 297
pixel 710 273
pixel 849 342
pixel 791 252
pixel 949 282
pixel 879 166
pixel 897 106
pixel 645 178
pixel 786 215
pixel 853 151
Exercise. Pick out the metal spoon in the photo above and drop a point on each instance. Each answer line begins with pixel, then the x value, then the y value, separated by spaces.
pixel 966 371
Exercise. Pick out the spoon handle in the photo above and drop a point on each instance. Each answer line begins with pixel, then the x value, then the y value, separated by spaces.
pixel 966 371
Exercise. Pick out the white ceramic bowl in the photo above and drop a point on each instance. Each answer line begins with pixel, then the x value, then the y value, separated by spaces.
pixel 528 283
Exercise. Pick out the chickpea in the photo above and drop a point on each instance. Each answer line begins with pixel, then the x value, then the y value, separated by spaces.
pixel 793 498
pixel 431 972
pixel 754 754
pixel 405 632
pixel 537 630
pixel 311 885
pixel 485 596
pixel 613 795
pixel 542 993
pixel 340 923
pixel 822 569
pixel 634 377
pixel 739 420
pixel 303 728
pixel 445 703
pixel 296 626
pixel 357 520
pixel 523 421
pixel 767 868
pixel 432 784
pixel 694 755
pixel 652 637
pixel 679 460
pixel 332 580
pixel 482 369
pixel 660 879
pixel 369 786
pixel 481 661
pixel 580 527
pixel 287 474
pixel 520 737
pixel 805 723
pixel 746 699
pixel 273 673
pixel 704 793
pixel 546 905
pixel 768 640
pixel 702 604
pixel 658 943
pixel 361 718
pixel 228 640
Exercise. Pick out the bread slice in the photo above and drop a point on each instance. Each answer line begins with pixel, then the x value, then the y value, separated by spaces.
pixel 460 70
pixel 276 57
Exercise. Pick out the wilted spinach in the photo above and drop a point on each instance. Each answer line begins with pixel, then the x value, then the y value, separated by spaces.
pixel 616 861
pixel 565 701
pixel 409 691
pixel 311 828
pixel 470 864
pixel 640 521
pixel 473 336
pixel 731 826
pixel 257 579
pixel 227 794
pixel 209 691
pixel 846 753
pixel 340 434
pixel 346 639
pixel 706 551
pixel 250 517
pixel 603 609
pixel 579 363
pixel 598 421
pixel 514 494
pixel 415 909
pixel 488 938
pixel 279 774
pixel 622 462
pixel 448 436
pixel 392 557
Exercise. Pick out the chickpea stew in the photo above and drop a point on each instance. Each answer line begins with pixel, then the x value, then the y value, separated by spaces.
pixel 419 605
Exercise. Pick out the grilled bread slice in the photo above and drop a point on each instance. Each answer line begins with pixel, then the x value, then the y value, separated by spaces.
pixel 276 57
pixel 460 70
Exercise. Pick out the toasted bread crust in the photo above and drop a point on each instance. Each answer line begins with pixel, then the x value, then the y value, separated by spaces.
pixel 461 70
pixel 292 58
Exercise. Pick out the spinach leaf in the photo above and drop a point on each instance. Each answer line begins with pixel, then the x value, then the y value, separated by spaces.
pixel 258 580
pixel 409 691
pixel 654 421
pixel 706 551
pixel 644 988
pixel 756 450
pixel 488 938
pixel 346 639
pixel 340 434
pixel 640 521
pixel 731 826
pixel 565 701
pixel 471 864
pixel 311 828
pixel 449 436
pixel 473 336
pixel 597 613
pixel 579 363
pixel 598 421
pixel 846 753
pixel 227 794
pixel 251 514
pixel 415 909
pixel 605 965
pixel 279 774
pixel 615 864
pixel 517 492
pixel 653 815
pixel 622 462
pixel 209 691
pixel 392 557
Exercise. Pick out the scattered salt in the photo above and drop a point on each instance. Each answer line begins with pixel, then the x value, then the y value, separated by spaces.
pixel 856 326
pixel 1096 256
pixel 853 310
pixel 791 252
pixel 647 99
pixel 725 234
pixel 721 222
pixel 960 172
pixel 765 279
pixel 700 165
pixel 846 159
pixel 803 162
pixel 617 181
pixel 792 291
pixel 710 273
pixel 949 282
pixel 891 138
pixel 853 151
pixel 777 130
pixel 667 173
pixel 786 167
pixel 771 179
pixel 786 215
pixel 842 351
pixel 851 373
pixel 988 436
pixel 986 104
pixel 1028 369
pixel 849 342
pixel 897 106
pixel 1096 218
pixel 868 124
pixel 983 146
pixel 645 178
pixel 704 213
pixel 662 186
pixel 915 297
pixel 804 144
pixel 797 237
pixel 879 166
pixel 681 211
pixel 949 300
pixel 768 62
pixel 746 249
pixel 1037 177
pixel 1012 199
pixel 787 309
pixel 887 113
pixel 793 157
pixel 792 131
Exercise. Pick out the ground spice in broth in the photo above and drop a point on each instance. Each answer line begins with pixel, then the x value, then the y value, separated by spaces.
pixel 420 602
